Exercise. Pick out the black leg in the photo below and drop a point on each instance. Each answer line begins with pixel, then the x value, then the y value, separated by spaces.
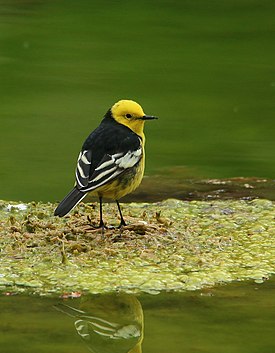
pixel 122 222
pixel 101 223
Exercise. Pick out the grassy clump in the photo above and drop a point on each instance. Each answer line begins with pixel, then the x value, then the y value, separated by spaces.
pixel 169 245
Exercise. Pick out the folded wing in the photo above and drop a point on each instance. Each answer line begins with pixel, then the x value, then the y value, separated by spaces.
pixel 110 167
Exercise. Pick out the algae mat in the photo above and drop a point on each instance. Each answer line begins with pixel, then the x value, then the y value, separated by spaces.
pixel 169 245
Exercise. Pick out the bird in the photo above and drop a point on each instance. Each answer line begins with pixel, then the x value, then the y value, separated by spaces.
pixel 112 159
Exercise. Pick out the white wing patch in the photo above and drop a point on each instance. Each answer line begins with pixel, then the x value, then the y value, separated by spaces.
pixel 110 167
pixel 102 174
pixel 84 158
pixel 109 162
pixel 82 171
pixel 129 159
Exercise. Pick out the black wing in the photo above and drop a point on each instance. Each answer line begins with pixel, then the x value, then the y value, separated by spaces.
pixel 109 151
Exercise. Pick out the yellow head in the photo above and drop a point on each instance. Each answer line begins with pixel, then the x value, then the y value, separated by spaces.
pixel 130 113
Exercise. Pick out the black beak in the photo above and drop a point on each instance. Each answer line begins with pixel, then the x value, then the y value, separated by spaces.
pixel 148 117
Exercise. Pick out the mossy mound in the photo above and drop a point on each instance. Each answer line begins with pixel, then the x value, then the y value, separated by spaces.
pixel 169 245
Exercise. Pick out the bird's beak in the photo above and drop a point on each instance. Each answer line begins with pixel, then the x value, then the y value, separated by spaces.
pixel 148 117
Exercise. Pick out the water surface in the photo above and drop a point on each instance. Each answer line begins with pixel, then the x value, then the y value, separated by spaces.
pixel 238 318
pixel 206 68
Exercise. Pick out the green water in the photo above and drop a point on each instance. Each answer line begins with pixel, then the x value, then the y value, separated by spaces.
pixel 206 68
pixel 232 319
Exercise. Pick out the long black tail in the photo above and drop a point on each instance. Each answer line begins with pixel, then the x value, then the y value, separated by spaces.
pixel 69 202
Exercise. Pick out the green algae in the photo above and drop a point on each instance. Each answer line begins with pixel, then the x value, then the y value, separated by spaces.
pixel 170 245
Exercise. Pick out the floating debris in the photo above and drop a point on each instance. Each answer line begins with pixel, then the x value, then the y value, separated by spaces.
pixel 18 207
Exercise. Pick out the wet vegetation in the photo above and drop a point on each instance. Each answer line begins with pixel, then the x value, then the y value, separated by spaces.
pixel 167 245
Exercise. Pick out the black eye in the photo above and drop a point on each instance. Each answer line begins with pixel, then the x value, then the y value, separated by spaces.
pixel 128 116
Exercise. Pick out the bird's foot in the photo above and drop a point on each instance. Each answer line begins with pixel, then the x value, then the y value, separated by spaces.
pixel 122 224
pixel 103 226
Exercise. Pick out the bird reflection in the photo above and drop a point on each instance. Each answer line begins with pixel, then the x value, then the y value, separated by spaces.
pixel 108 323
